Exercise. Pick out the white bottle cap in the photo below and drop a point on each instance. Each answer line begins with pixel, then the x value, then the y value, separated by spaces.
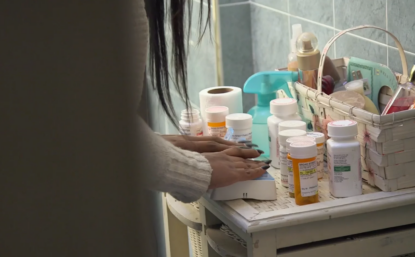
pixel 291 140
pixel 190 115
pixel 319 137
pixel 239 121
pixel 303 150
pixel 342 128
pixel 216 113
pixel 292 124
pixel 283 106
pixel 286 134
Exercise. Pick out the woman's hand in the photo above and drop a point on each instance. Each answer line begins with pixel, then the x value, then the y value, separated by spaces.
pixel 203 144
pixel 233 165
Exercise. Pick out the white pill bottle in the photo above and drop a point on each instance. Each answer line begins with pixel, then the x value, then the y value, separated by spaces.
pixel 343 159
pixel 282 138
pixel 283 109
pixel 239 127
pixel 191 123
pixel 216 120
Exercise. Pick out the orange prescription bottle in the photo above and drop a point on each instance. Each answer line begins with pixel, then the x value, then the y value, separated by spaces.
pixel 291 186
pixel 303 156
pixel 216 120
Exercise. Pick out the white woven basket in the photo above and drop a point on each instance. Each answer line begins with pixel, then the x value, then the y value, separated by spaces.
pixel 384 139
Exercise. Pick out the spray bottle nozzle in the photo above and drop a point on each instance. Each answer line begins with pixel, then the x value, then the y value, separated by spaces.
pixel 269 82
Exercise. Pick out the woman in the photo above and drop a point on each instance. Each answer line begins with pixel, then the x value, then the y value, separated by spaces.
pixel 76 158
pixel 188 179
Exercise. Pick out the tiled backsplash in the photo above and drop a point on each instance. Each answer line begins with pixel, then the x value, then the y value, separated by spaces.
pixel 254 36
pixel 270 31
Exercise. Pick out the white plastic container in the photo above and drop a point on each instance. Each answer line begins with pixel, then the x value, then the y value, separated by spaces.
pixel 282 139
pixel 292 124
pixel 343 159
pixel 291 186
pixel 239 127
pixel 216 120
pixel 191 123
pixel 320 140
pixel 283 109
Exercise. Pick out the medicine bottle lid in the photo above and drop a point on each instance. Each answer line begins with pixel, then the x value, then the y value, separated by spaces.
pixel 190 115
pixel 297 139
pixel 292 124
pixel 239 121
pixel 342 128
pixel 319 137
pixel 283 106
pixel 303 150
pixel 216 113
pixel 290 133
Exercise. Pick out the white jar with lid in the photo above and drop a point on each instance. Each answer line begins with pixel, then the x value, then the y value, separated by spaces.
pixel 239 127
pixel 216 120
pixel 320 140
pixel 292 124
pixel 282 139
pixel 343 159
pixel 190 123
pixel 283 109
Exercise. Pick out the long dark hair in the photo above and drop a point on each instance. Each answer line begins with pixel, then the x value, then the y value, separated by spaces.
pixel 158 65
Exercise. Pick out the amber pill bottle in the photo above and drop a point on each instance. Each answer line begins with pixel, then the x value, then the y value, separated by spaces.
pixel 304 165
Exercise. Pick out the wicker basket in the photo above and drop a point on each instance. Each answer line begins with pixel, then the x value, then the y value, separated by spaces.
pixel 384 139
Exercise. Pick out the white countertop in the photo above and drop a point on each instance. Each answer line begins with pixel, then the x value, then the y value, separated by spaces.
pixel 253 216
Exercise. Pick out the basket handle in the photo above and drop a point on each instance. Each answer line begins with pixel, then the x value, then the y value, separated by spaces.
pixel 403 78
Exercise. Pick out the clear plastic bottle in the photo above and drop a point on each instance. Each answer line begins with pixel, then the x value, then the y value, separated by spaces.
pixel 282 138
pixel 292 56
pixel 190 123
pixel 303 155
pixel 343 159
pixel 283 109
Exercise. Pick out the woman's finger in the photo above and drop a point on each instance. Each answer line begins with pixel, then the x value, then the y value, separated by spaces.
pixel 209 146
pixel 243 153
pixel 214 139
pixel 235 159
pixel 243 165
pixel 249 163
pixel 249 174
pixel 217 140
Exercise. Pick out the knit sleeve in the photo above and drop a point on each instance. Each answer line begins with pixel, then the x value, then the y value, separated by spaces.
pixel 184 174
